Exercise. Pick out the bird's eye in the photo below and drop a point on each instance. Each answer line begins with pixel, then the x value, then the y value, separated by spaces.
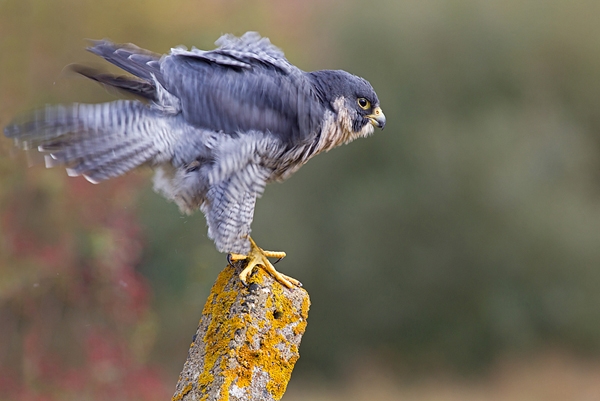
pixel 363 103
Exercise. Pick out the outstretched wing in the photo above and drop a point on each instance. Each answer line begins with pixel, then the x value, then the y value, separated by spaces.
pixel 244 85
pixel 98 141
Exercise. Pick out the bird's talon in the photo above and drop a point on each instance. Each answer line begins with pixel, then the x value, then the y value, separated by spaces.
pixel 259 257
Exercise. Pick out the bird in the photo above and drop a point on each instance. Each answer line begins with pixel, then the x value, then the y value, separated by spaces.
pixel 216 126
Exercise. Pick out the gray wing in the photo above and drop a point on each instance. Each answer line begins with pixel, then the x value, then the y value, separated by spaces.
pixel 140 62
pixel 244 85
pixel 98 141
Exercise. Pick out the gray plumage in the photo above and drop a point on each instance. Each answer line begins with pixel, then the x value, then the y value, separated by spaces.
pixel 216 126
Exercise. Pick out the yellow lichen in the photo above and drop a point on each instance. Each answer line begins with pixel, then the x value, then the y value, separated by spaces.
pixel 300 328
pixel 221 329
pixel 305 307
pixel 265 357
pixel 188 387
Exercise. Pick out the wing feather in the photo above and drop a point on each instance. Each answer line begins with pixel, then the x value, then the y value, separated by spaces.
pixel 140 62
pixel 244 85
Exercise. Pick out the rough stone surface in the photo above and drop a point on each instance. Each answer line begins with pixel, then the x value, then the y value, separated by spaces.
pixel 247 341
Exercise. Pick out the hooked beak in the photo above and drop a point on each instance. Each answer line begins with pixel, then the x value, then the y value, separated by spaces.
pixel 377 119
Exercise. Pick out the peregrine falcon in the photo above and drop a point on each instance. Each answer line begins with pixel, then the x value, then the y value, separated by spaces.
pixel 216 126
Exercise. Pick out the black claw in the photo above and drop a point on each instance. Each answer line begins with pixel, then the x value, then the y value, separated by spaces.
pixel 229 259
pixel 277 261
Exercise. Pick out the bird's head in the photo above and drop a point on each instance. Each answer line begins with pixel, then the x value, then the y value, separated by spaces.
pixel 354 101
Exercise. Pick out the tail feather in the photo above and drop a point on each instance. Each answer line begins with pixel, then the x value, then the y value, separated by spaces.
pixel 98 141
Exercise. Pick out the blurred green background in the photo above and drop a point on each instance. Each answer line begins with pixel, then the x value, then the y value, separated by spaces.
pixel 465 234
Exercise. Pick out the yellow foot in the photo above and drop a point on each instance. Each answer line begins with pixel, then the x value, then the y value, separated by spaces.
pixel 259 257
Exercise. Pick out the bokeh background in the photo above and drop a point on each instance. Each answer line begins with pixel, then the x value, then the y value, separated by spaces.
pixel 453 256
